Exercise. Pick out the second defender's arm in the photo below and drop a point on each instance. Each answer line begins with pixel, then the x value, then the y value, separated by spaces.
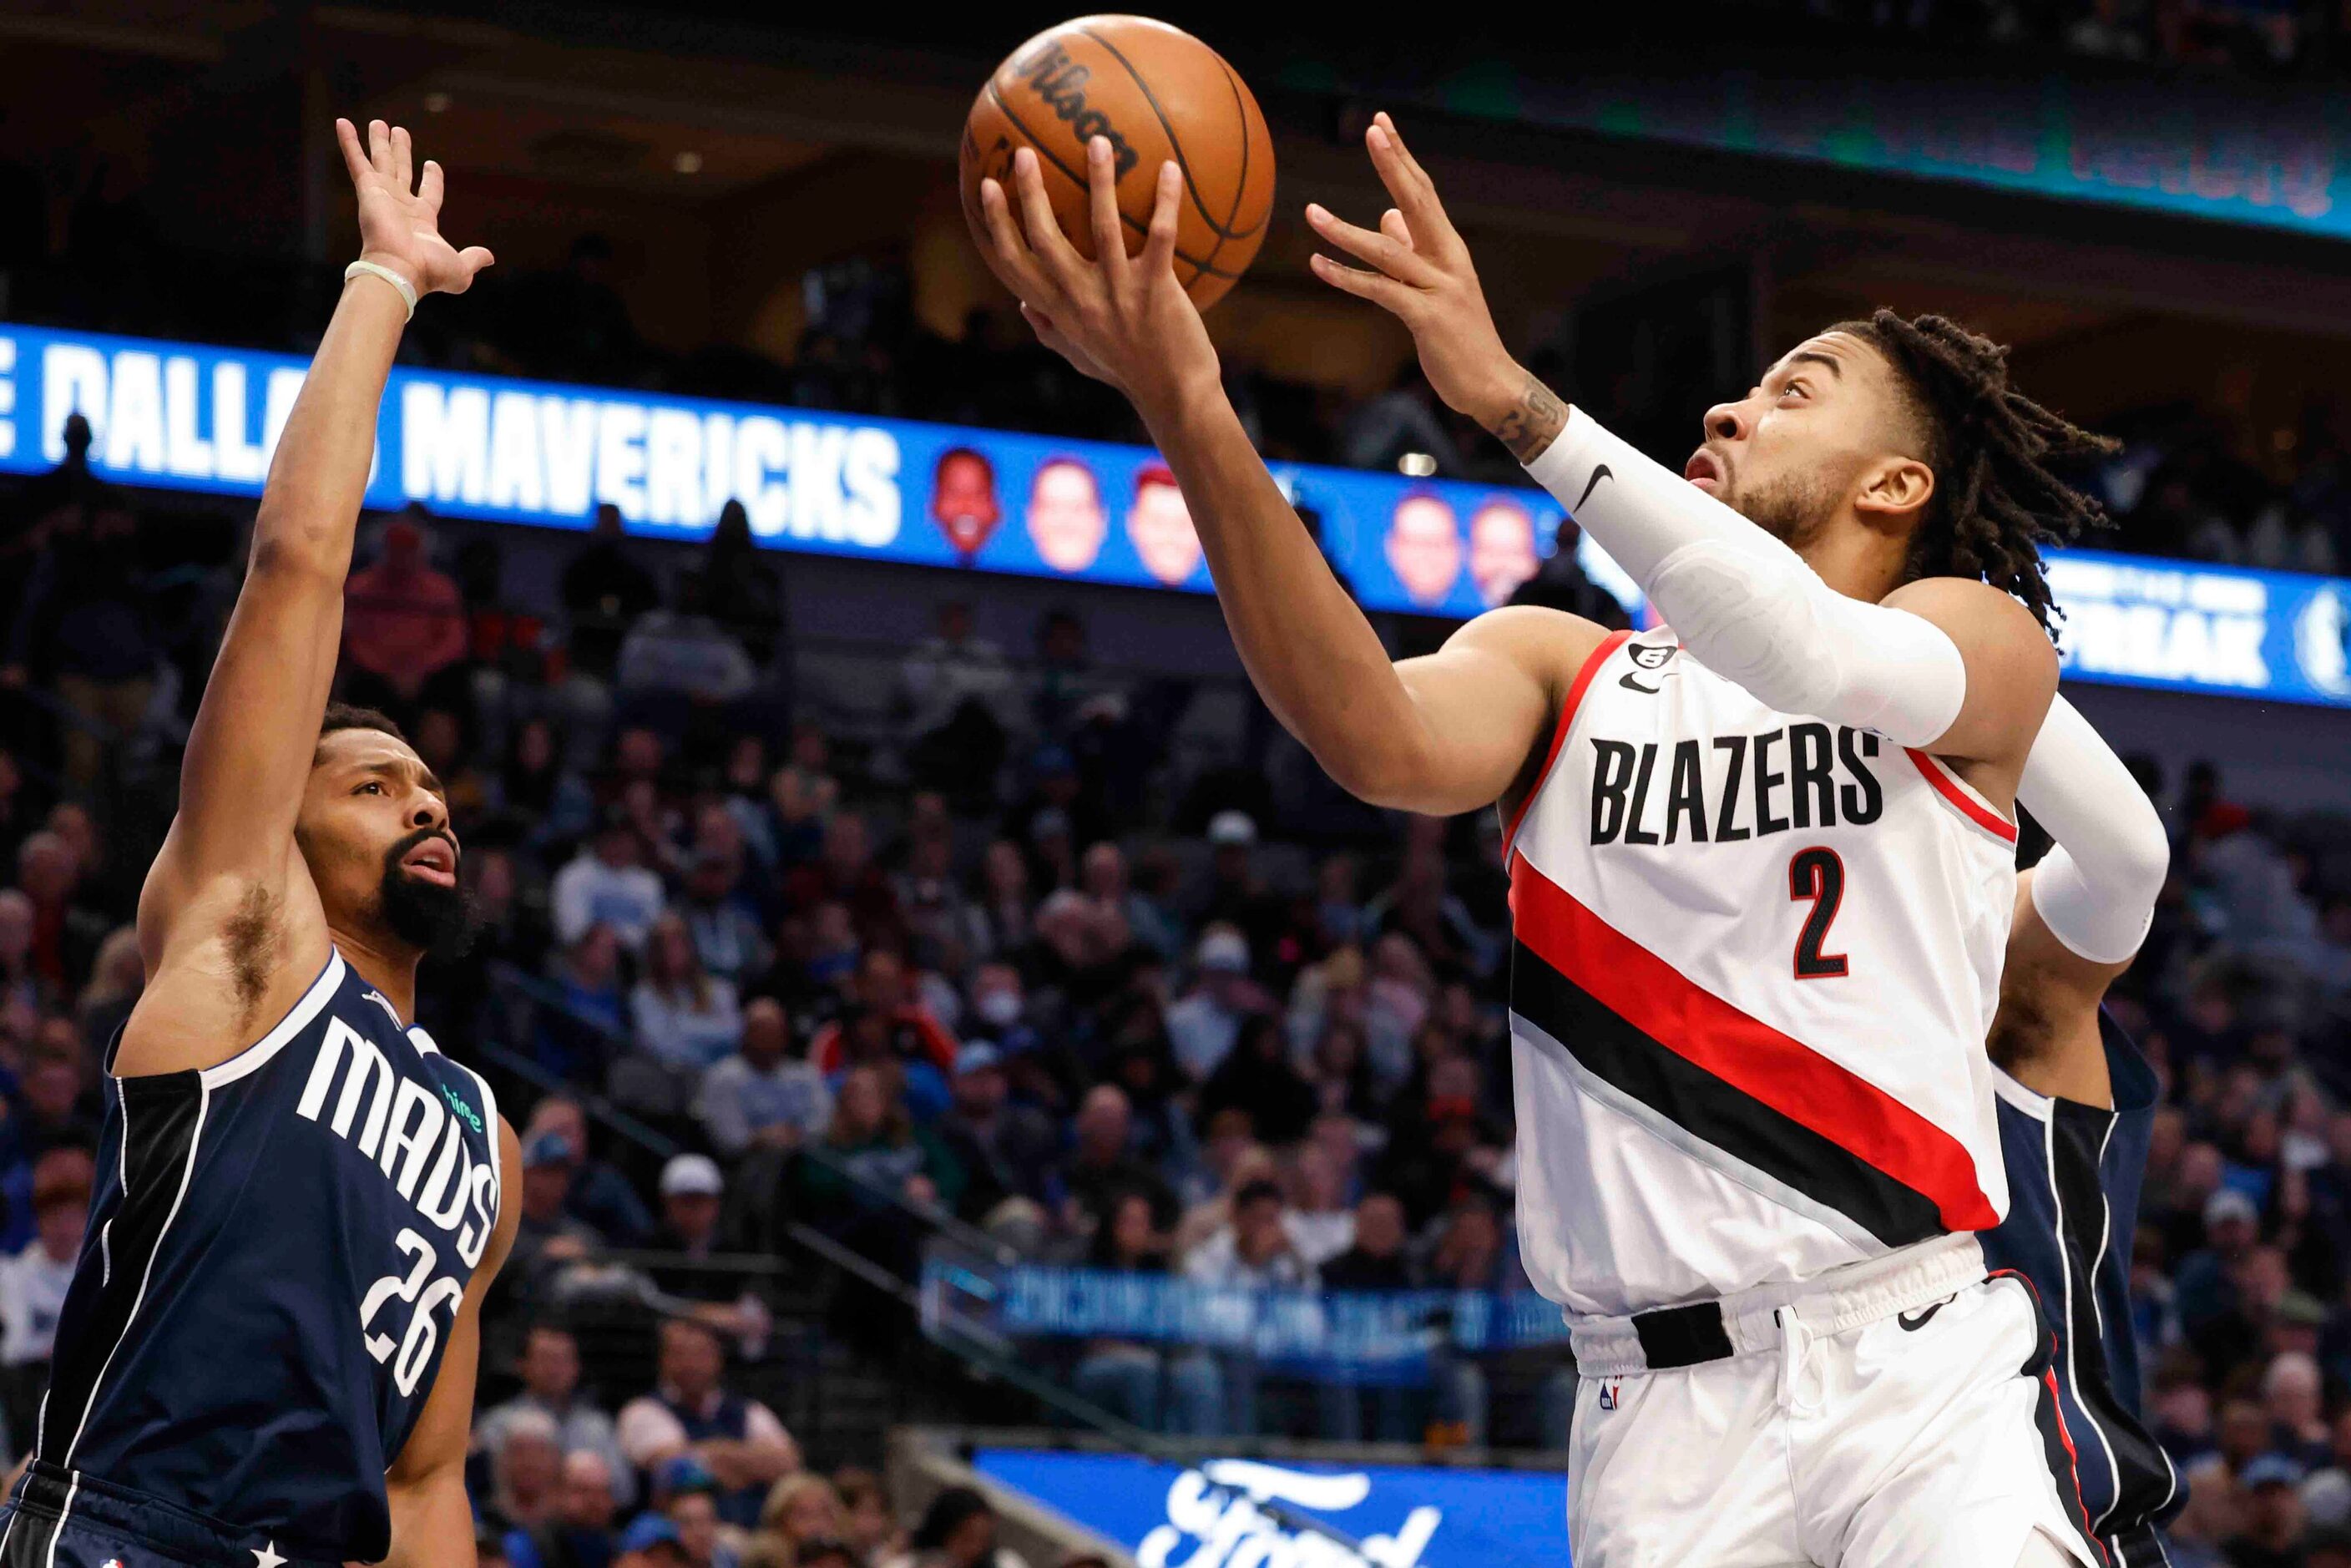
pixel 1447 733
pixel 2081 913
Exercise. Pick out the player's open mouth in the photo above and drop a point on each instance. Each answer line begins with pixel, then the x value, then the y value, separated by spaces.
pixel 433 861
pixel 1704 470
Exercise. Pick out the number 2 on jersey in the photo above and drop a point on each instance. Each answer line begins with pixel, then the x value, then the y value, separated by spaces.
pixel 1817 874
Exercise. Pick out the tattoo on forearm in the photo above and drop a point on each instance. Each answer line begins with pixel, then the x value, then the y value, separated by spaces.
pixel 1529 427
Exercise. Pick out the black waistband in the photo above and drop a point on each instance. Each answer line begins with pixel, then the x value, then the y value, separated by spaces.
pixel 1682 1336
pixel 51 1493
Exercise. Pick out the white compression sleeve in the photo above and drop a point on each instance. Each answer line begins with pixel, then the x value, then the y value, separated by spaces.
pixel 2095 891
pixel 1746 604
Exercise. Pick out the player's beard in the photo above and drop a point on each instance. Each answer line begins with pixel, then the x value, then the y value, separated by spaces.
pixel 1792 509
pixel 438 922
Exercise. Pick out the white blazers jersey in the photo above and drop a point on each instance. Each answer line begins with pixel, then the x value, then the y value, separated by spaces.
pixel 1756 958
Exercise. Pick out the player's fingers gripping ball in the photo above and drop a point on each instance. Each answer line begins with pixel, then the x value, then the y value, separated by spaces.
pixel 1156 94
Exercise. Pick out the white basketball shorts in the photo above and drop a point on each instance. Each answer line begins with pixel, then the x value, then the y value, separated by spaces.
pixel 1894 1414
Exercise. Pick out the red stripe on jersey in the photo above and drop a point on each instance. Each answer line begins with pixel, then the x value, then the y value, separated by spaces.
pixel 1952 790
pixel 1592 663
pixel 1749 1054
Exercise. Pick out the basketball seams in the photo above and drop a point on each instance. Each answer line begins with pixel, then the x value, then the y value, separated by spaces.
pixel 1241 186
pixel 1174 145
pixel 995 96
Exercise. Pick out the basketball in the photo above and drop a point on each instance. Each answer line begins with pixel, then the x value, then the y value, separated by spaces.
pixel 1157 93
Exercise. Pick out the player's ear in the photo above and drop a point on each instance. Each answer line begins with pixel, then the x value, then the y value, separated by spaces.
pixel 1895 492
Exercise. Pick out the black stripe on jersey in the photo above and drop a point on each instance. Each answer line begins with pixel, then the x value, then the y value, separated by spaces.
pixel 2049 1416
pixel 163 1116
pixel 2144 1483
pixel 1714 1111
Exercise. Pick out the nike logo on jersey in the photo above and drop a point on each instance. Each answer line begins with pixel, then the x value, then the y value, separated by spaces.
pixel 1913 1321
pixel 1591 485
pixel 1650 659
pixel 1738 786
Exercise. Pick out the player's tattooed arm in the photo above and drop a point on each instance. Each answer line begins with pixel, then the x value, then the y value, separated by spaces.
pixel 1528 425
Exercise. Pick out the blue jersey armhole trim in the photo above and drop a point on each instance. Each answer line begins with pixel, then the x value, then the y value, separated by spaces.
pixel 255 1057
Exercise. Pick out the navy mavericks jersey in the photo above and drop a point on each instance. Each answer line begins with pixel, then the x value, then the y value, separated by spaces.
pixel 277 1249
pixel 2074 1176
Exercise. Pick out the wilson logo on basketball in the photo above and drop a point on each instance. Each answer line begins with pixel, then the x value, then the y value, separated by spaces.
pixel 1060 82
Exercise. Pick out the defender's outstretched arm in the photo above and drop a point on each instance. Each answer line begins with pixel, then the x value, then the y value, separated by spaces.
pixel 1958 668
pixel 2081 913
pixel 1450 732
pixel 224 898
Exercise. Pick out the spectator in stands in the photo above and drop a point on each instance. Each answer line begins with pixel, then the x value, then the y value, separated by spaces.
pixel 692 1194
pixel 609 884
pixel 1256 1077
pixel 728 935
pixel 1102 876
pixel 2292 1390
pixel 54 1107
pixel 954 689
pixel 20 986
pixel 1001 903
pixel 83 623
pixel 762 1096
pixel 547 1241
pixel 33 1282
pixel 525 1475
pixel 594 1190
pixel 650 1542
pixel 1375 1259
pixel 681 652
pixel 1102 1165
pixel 549 1369
pixel 689 1411
pixel 874 1533
pixel 871 1150
pixel 1253 1251
pixel 689 1496
pixel 2271 1518
pixel 403 623
pixel 685 1018
pixel 1004 1150
pixel 579 1535
pixel 604 591
pixel 914 1031
pixel 1203 1025
pixel 1321 1225
pixel 116 978
pixel 66 932
pixel 1128 1379
pixel 958 1530
pixel 801 1511
pixel 741 588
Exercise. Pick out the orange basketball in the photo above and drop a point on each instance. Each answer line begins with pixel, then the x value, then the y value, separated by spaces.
pixel 1157 93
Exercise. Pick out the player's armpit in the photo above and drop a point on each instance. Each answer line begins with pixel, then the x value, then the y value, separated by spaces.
pixel 2012 669
pixel 1482 711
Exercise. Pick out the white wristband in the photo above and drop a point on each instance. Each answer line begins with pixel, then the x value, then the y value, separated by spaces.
pixel 376 269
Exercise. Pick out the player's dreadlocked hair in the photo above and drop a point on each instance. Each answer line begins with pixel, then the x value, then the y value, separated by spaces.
pixel 1996 500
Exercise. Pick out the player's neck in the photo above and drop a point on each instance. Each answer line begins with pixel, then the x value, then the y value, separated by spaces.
pixel 1859 563
pixel 390 970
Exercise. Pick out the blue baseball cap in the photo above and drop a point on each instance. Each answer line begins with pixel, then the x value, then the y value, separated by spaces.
pixel 2271 1469
pixel 547 1149
pixel 648 1531
pixel 686 1473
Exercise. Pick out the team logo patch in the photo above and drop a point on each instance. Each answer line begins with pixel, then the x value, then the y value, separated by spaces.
pixel 1649 660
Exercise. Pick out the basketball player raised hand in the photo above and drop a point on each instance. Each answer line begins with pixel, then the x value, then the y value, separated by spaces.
pixel 267 1352
pixel 1762 871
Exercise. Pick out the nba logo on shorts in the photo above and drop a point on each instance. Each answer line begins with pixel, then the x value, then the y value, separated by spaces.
pixel 111 1562
pixel 1607 1400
